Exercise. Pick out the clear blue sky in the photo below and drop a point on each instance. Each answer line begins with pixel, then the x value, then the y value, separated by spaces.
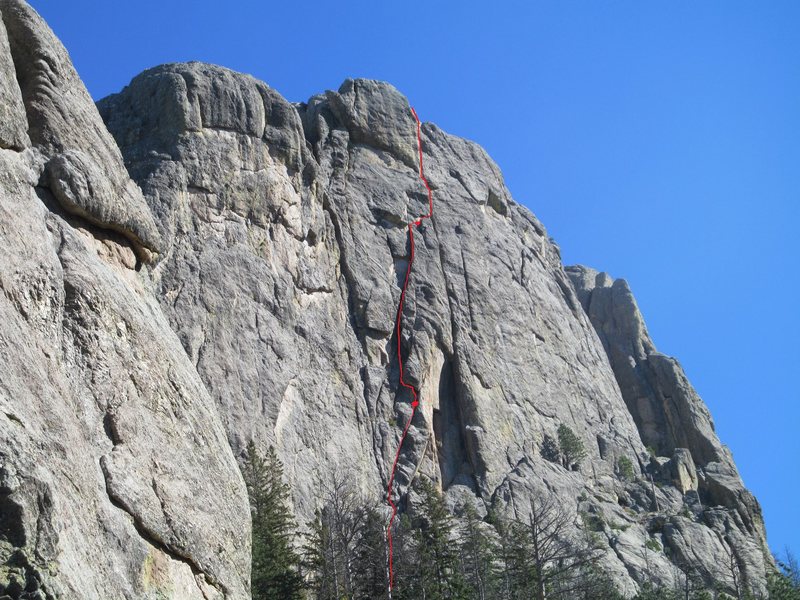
pixel 658 141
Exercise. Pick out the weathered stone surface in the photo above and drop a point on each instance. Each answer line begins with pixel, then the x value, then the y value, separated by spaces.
pixel 684 474
pixel 356 217
pixel 375 114
pixel 667 410
pixel 62 120
pixel 13 123
pixel 116 478
pixel 671 417
pixel 251 279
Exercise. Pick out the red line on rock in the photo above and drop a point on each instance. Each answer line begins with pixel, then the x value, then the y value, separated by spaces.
pixel 399 329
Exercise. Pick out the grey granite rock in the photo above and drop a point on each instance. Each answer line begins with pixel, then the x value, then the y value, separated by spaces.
pixel 671 417
pixel 667 411
pixel 13 122
pixel 375 114
pixel 116 478
pixel 63 124
pixel 683 471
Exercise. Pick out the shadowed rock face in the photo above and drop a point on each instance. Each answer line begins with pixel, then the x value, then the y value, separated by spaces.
pixel 268 314
pixel 671 417
pixel 667 410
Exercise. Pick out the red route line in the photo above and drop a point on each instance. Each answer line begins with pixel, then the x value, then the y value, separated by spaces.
pixel 399 321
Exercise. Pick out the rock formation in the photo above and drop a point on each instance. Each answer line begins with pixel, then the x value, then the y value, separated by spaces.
pixel 237 279
pixel 116 478
pixel 672 420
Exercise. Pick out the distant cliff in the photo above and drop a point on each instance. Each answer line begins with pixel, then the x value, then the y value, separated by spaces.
pixel 225 266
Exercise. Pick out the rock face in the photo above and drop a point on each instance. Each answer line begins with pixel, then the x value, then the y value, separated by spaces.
pixel 671 417
pixel 116 479
pixel 245 287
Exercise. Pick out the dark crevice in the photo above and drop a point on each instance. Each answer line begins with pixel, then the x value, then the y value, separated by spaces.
pixel 448 429
pixel 110 429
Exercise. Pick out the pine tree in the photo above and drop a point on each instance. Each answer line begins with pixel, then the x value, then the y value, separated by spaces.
pixel 345 551
pixel 343 566
pixel 650 592
pixel 542 558
pixel 478 551
pixel 503 556
pixel 371 558
pixel 408 584
pixel 523 579
pixel 784 583
pixel 625 468
pixel 436 554
pixel 595 585
pixel 275 564
pixel 317 559
pixel 571 446
pixel 550 449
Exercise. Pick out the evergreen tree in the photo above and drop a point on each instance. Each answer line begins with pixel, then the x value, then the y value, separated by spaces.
pixel 371 558
pixel 436 554
pixel 542 558
pixel 275 564
pixel 595 585
pixel 522 576
pixel 317 553
pixel 784 583
pixel 345 548
pixel 650 592
pixel 407 566
pixel 571 446
pixel 550 450
pixel 478 551
pixel 507 556
pixel 625 468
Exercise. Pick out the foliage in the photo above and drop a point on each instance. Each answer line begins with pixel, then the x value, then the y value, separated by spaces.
pixel 593 521
pixel 649 592
pixel 438 556
pixel 275 564
pixel 784 582
pixel 345 550
pixel 371 556
pixel 478 551
pixel 543 558
pixel 652 544
pixel 550 449
pixel 534 556
pixel 625 468
pixel 571 447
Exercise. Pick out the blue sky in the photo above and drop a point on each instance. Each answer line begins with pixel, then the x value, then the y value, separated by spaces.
pixel 657 141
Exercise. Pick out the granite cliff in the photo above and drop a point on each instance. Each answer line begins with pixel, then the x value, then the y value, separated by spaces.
pixel 196 262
